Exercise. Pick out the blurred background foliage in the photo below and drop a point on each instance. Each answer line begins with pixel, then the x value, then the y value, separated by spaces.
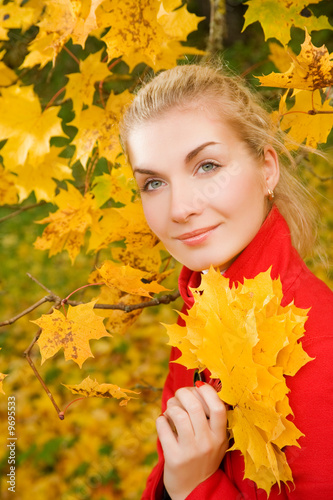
pixel 102 451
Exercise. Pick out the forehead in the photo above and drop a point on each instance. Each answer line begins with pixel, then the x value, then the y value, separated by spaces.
pixel 179 130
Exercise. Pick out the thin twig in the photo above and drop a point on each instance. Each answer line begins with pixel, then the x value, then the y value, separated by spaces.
pixel 322 179
pixel 40 284
pixel 23 209
pixel 48 298
pixel 46 389
pixel 27 352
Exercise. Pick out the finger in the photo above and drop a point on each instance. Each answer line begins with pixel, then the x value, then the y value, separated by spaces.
pixel 183 425
pixel 166 436
pixel 217 409
pixel 175 401
pixel 191 401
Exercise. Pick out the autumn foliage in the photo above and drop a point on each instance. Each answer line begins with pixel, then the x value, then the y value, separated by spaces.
pixel 71 216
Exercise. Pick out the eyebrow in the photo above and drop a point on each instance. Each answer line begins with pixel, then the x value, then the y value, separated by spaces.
pixel 188 158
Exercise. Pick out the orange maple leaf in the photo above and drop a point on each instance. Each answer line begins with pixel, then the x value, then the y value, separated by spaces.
pixel 72 332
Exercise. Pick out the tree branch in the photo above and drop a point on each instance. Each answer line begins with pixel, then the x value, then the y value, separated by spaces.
pixel 164 299
pixel 217 26
pixel 47 298
pixel 23 209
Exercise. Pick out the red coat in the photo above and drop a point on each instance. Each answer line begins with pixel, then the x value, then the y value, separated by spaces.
pixel 311 389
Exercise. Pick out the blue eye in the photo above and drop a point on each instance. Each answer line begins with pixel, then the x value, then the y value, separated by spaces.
pixel 151 185
pixel 208 167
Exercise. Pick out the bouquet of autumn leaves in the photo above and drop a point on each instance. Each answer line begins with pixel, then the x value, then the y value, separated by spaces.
pixel 250 342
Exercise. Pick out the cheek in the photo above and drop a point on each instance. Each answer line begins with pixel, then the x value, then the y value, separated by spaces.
pixel 155 216
pixel 242 193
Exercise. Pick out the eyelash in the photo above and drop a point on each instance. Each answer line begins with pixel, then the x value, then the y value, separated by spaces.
pixel 146 184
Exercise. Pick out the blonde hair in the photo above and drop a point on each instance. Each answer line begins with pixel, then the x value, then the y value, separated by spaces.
pixel 195 85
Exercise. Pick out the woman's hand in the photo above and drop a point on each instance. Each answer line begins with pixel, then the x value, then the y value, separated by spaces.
pixel 193 435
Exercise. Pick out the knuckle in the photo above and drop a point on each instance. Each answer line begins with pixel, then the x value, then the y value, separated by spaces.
pixel 181 392
pixel 171 402
pixel 195 408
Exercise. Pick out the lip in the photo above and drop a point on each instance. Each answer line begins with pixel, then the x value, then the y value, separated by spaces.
pixel 197 236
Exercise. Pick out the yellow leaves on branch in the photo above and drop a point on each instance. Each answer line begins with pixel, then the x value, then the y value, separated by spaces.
pixel 129 279
pixel 250 342
pixel 92 389
pixel 312 69
pixel 2 377
pixel 60 21
pixel 8 191
pixel 100 127
pixel 288 14
pixel 71 332
pixel 13 15
pixel 303 126
pixel 67 226
pixel 80 87
pixel 146 31
pixel 38 175
pixel 310 119
pixel 27 128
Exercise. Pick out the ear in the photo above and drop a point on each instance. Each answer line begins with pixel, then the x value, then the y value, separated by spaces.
pixel 271 167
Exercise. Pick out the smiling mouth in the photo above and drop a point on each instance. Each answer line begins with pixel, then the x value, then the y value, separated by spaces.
pixel 196 236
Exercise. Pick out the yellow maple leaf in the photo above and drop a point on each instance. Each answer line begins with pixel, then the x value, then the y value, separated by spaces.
pixel 139 233
pixel 110 228
pixel 71 332
pixel 147 259
pixel 98 126
pixel 2 377
pixel 92 389
pixel 280 56
pixel 141 31
pixel 7 75
pixel 68 225
pixel 312 69
pixel 117 321
pixel 127 223
pixel 80 87
pixel 288 14
pixel 8 191
pixel 39 175
pixel 250 342
pixel 118 185
pixel 61 20
pixel 129 280
pixel 13 16
pixel 304 124
pixel 26 127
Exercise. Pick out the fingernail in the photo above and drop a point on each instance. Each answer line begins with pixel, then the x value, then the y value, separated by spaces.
pixel 199 383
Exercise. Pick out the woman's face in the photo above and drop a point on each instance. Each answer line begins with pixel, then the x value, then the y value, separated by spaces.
pixel 203 193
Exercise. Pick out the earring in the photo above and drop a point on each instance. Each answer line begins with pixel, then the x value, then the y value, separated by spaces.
pixel 271 194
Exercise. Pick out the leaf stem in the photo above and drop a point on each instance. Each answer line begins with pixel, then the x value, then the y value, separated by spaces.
pixel 71 54
pixel 51 101
pixel 74 401
pixel 80 288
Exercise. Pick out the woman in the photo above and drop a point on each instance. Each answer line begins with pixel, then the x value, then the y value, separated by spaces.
pixel 217 189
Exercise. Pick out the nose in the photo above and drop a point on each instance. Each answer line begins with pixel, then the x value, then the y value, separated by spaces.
pixel 185 202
